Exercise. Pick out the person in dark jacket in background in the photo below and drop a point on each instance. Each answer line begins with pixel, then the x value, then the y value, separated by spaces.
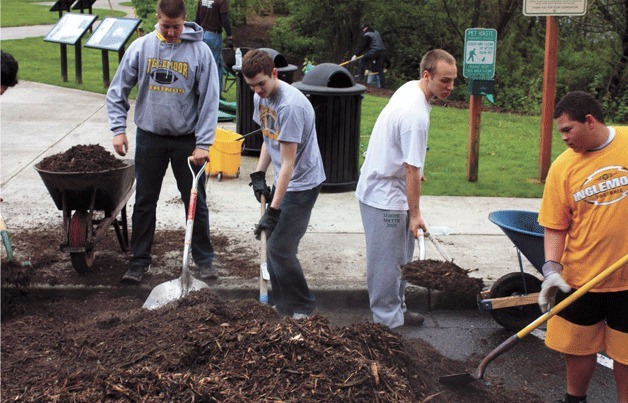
pixel 371 49
pixel 213 17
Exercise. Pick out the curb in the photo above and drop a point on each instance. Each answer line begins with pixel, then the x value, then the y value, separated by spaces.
pixel 417 298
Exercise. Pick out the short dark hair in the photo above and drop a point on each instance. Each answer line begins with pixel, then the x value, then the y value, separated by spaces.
pixel 172 8
pixel 579 104
pixel 9 70
pixel 431 59
pixel 257 61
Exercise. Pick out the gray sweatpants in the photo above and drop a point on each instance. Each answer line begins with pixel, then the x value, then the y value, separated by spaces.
pixel 389 244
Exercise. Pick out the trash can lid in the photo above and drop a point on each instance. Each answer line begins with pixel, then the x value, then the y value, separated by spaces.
pixel 329 78
pixel 281 64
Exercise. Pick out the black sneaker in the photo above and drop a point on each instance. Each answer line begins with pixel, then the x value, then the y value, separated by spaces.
pixel 208 272
pixel 412 319
pixel 135 274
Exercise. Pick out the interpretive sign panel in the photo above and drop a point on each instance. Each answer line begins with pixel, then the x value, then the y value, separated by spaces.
pixel 70 28
pixel 112 33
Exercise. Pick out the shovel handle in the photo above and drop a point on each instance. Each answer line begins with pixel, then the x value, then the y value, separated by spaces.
pixel 577 294
pixel 350 61
pixel 263 284
pixel 512 340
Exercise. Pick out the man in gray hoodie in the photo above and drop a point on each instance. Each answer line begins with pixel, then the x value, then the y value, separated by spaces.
pixel 176 114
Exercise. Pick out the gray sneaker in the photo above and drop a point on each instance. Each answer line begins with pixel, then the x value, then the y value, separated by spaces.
pixel 135 274
pixel 208 272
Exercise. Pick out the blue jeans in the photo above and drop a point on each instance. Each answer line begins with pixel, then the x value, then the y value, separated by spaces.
pixel 214 41
pixel 290 291
pixel 152 155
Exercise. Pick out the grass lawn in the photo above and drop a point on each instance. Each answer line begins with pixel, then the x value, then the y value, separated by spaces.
pixel 509 144
pixel 17 13
pixel 509 152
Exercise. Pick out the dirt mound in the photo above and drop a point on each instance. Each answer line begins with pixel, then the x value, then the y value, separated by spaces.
pixel 81 158
pixel 204 348
pixel 442 276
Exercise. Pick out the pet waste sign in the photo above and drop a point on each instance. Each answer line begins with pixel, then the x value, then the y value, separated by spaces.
pixel 479 53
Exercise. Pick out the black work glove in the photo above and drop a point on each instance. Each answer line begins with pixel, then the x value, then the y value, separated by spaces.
pixel 258 181
pixel 268 222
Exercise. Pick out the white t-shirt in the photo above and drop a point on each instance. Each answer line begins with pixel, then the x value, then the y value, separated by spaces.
pixel 288 116
pixel 399 136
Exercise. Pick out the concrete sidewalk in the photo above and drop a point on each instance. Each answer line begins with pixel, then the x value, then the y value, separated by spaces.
pixel 38 120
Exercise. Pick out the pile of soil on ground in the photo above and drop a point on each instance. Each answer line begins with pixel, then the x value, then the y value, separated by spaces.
pixel 50 266
pixel 442 276
pixel 81 158
pixel 202 348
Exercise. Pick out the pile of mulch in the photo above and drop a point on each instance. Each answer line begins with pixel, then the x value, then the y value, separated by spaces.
pixel 202 348
pixel 441 275
pixel 81 158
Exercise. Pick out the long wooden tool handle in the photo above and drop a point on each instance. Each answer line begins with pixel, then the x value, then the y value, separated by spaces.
pixel 263 284
pixel 577 294
pixel 514 339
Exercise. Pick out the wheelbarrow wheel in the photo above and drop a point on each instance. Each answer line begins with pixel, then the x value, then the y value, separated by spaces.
pixel 81 261
pixel 517 317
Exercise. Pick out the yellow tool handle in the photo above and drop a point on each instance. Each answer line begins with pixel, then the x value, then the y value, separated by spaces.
pixel 577 294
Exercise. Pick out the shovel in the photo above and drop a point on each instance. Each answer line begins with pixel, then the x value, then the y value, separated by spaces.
pixel 440 250
pixel 264 276
pixel 351 61
pixel 458 380
pixel 172 290
pixel 242 137
pixel 6 241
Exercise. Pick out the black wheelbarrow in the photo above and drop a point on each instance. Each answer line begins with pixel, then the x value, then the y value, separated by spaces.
pixel 80 195
pixel 512 300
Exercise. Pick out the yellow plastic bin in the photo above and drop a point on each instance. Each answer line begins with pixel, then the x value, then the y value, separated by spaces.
pixel 225 154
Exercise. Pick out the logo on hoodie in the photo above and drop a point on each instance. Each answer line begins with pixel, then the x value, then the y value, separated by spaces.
pixel 163 76
pixel 163 71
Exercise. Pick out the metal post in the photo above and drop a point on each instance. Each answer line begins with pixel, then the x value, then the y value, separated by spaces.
pixel 64 62
pixel 105 68
pixel 78 64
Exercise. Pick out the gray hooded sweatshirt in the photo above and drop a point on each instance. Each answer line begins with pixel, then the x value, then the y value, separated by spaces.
pixel 177 87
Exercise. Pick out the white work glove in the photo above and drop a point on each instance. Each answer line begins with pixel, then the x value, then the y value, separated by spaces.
pixel 552 282
pixel 353 58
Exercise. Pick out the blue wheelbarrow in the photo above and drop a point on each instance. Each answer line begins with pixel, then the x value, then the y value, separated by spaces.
pixel 512 300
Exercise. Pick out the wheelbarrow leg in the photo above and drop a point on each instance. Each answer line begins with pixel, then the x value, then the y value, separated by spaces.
pixel 122 231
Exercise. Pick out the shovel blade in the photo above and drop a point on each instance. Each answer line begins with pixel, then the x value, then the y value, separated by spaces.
pixel 170 291
pixel 457 380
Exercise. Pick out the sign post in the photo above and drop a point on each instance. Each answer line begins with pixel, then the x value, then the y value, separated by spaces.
pixel 550 9
pixel 68 31
pixel 111 35
pixel 479 64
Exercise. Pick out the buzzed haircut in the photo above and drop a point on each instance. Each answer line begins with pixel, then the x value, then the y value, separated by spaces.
pixel 171 8
pixel 9 70
pixel 579 104
pixel 431 59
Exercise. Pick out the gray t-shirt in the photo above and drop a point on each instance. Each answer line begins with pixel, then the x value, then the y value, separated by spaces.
pixel 289 117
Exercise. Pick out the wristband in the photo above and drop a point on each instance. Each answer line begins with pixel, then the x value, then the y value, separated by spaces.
pixel 551 267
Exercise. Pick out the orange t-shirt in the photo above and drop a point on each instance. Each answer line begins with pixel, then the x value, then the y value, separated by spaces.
pixel 587 194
